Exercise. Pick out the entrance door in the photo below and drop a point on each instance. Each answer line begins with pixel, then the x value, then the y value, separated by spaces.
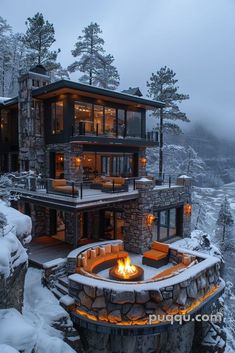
pixel 112 225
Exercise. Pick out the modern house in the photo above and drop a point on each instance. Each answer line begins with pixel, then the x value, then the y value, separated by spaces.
pixel 86 147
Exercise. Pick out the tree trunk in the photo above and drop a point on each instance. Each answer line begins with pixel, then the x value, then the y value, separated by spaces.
pixel 160 169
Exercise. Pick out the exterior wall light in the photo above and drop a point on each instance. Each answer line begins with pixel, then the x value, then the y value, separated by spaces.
pixel 150 218
pixel 78 162
pixel 188 209
pixel 143 162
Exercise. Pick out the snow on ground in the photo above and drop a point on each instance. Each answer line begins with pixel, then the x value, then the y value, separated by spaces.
pixel 21 224
pixel 33 328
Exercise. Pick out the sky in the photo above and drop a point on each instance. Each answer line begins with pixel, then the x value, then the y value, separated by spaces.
pixel 195 38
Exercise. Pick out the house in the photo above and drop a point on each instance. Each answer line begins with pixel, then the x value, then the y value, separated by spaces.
pixel 86 145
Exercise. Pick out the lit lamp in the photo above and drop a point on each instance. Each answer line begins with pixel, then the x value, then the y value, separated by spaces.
pixel 188 209
pixel 78 162
pixel 143 162
pixel 150 218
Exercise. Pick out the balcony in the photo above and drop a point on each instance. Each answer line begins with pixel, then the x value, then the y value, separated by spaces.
pixel 88 132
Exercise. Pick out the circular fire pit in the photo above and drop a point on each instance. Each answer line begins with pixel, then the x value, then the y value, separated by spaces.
pixel 125 271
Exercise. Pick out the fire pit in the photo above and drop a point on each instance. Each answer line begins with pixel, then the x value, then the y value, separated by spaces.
pixel 124 270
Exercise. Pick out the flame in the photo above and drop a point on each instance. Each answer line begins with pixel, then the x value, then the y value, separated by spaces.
pixel 125 268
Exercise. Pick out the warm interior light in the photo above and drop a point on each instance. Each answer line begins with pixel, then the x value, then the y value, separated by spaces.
pixel 143 162
pixel 188 209
pixel 150 219
pixel 78 161
pixel 125 268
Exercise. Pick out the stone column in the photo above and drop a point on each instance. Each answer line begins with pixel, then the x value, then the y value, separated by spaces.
pixel 186 182
pixel 137 235
pixel 72 228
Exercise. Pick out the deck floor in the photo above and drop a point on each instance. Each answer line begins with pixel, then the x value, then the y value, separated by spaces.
pixel 45 248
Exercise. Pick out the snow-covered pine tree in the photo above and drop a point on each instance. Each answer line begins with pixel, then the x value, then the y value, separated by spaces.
pixel 39 37
pixel 3 223
pixel 225 221
pixel 5 55
pixel 92 60
pixel 107 74
pixel 162 86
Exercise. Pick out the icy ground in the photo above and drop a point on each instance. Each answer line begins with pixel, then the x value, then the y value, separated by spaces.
pixel 34 328
pixel 206 205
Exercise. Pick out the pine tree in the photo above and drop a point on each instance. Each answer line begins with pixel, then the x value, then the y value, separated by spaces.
pixel 39 37
pixel 225 219
pixel 5 55
pixel 92 60
pixel 3 223
pixel 107 74
pixel 162 86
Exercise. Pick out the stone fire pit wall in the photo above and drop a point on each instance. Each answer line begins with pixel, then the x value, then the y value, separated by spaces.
pixel 118 302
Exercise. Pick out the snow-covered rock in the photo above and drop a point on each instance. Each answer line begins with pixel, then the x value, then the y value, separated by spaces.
pixel 5 348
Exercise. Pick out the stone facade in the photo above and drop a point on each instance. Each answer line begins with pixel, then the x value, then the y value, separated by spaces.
pixel 31 124
pixel 138 235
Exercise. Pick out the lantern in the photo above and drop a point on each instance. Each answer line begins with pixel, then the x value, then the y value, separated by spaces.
pixel 143 162
pixel 78 162
pixel 150 218
pixel 188 209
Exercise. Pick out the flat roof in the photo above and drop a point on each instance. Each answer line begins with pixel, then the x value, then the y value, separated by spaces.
pixel 66 86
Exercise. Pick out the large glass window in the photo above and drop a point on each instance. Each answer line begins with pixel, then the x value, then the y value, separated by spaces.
pixel 110 121
pixel 57 117
pixel 133 124
pixel 121 122
pixel 165 226
pixel 83 118
pixel 98 119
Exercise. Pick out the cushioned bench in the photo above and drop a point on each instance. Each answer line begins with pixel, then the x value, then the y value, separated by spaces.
pixel 157 256
pixel 100 258
pixel 186 261
pixel 61 186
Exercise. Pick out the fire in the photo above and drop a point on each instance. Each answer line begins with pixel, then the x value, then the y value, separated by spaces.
pixel 125 267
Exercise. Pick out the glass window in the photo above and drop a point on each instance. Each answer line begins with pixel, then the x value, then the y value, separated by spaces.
pixel 57 117
pixel 172 222
pixel 133 124
pixel 163 230
pixel 83 118
pixel 121 122
pixel 98 119
pixel 110 121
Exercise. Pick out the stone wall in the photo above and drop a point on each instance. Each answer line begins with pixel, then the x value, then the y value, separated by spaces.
pixel 12 289
pixel 129 306
pixel 138 235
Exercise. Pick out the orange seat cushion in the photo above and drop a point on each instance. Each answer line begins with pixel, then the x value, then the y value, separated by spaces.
pixel 160 247
pixel 155 255
pixel 66 189
pixel 92 263
pixel 58 182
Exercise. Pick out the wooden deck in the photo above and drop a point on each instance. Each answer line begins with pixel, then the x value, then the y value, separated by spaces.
pixel 45 248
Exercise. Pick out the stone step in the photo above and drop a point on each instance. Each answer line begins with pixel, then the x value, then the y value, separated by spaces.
pixel 64 281
pixel 62 289
pixel 56 293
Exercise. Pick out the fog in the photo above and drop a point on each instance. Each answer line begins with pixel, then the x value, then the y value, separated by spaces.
pixel 193 37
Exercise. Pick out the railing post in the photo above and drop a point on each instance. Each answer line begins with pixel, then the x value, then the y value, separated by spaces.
pixel 113 185
pixel 81 190
pixel 97 129
pixel 47 185
pixel 169 181
pixel 134 184
pixel 73 189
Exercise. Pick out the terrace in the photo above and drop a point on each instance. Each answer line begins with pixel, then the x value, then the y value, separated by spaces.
pixel 186 283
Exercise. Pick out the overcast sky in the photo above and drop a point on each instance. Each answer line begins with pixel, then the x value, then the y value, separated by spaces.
pixel 193 37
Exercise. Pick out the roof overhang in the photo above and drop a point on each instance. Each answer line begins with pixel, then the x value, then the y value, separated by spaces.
pixel 81 90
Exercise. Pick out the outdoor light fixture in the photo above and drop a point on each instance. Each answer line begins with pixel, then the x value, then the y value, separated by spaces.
pixel 78 162
pixel 143 162
pixel 188 209
pixel 150 218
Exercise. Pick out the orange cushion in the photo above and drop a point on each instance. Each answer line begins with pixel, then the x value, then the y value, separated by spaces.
pixel 160 247
pixel 92 263
pixel 58 182
pixel 155 255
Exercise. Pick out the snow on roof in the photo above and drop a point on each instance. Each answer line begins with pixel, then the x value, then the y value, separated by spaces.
pixel 2 99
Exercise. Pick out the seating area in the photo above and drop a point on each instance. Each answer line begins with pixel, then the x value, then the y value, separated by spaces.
pixel 62 186
pixel 109 184
pixel 157 256
pixel 99 258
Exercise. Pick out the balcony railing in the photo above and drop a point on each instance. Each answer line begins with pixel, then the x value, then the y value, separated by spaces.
pixel 88 129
